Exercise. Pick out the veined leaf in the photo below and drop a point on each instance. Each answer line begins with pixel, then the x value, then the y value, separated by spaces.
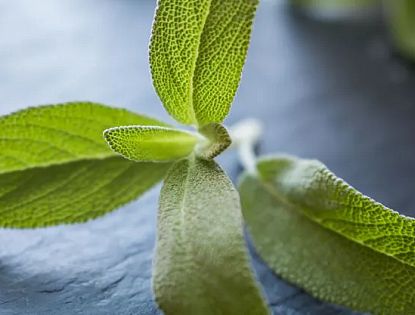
pixel 197 52
pixel 56 168
pixel 73 192
pixel 150 143
pixel 201 264
pixel 310 187
pixel 217 141
pixel 54 134
pixel 323 235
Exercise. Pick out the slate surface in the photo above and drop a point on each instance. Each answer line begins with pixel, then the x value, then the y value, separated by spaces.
pixel 332 92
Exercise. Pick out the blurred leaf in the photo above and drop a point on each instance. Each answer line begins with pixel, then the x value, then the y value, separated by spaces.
pixel 55 167
pixel 201 264
pixel 197 52
pixel 326 237
pixel 401 16
pixel 150 143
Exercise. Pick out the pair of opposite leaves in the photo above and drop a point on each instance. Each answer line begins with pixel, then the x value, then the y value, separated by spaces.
pixel 49 153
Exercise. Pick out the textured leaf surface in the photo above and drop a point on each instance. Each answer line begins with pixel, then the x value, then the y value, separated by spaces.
pixel 73 192
pixel 45 135
pixel 316 254
pixel 218 140
pixel 315 191
pixel 201 264
pixel 55 167
pixel 150 143
pixel 197 52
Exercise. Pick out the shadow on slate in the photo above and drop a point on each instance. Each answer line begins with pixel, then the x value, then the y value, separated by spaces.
pixel 332 92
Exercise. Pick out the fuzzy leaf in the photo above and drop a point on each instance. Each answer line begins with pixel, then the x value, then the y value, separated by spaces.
pixel 73 192
pixel 217 141
pixel 326 237
pixel 55 134
pixel 150 143
pixel 197 52
pixel 56 168
pixel 201 264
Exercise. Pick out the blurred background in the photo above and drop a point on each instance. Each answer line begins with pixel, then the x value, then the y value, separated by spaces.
pixel 331 80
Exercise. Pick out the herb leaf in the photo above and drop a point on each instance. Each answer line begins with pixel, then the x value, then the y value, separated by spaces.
pixel 201 264
pixel 73 192
pixel 217 141
pixel 56 168
pixel 323 235
pixel 311 188
pixel 197 52
pixel 54 134
pixel 150 143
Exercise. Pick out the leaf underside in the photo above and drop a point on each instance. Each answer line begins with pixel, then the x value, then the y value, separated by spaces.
pixel 218 140
pixel 321 234
pixel 150 143
pixel 56 168
pixel 197 51
pixel 201 264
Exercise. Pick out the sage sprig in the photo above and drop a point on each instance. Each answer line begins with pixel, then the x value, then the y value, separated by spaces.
pixel 55 167
pixel 309 226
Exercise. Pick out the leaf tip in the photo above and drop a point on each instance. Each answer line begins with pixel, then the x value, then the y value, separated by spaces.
pixel 110 137
pixel 107 134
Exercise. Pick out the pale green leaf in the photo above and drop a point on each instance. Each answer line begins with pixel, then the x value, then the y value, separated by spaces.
pixel 197 52
pixel 328 200
pixel 201 264
pixel 323 235
pixel 217 141
pixel 54 134
pixel 55 166
pixel 150 143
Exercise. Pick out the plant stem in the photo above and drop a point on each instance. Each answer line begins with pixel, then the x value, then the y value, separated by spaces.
pixel 245 135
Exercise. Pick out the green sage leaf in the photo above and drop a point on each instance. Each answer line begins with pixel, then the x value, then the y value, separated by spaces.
pixel 197 52
pixel 217 141
pixel 150 143
pixel 201 265
pixel 54 134
pixel 55 166
pixel 73 192
pixel 323 235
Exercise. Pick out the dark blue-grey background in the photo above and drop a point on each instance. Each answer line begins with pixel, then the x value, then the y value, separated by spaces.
pixel 329 91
